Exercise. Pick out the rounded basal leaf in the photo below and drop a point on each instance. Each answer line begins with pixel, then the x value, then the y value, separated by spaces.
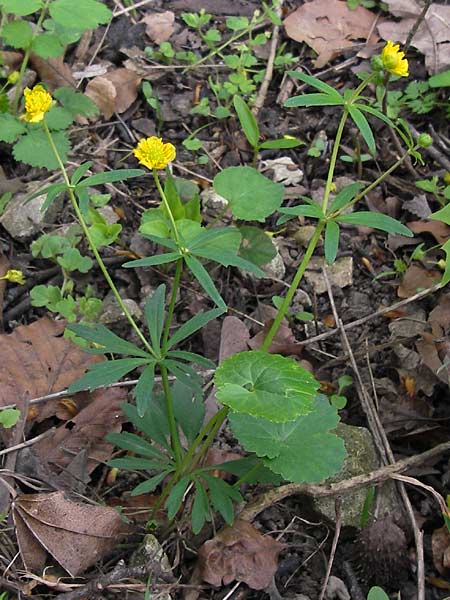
pixel 302 450
pixel 265 385
pixel 251 196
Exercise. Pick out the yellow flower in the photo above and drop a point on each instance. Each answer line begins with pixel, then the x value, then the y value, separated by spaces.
pixel 153 153
pixel 393 60
pixel 14 276
pixel 37 102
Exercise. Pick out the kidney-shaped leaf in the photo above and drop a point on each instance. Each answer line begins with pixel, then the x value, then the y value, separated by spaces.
pixel 251 196
pixel 302 450
pixel 265 385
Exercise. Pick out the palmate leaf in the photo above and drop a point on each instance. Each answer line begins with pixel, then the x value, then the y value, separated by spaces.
pixel 105 373
pixel 344 196
pixel 376 221
pixel 134 443
pixel 302 450
pixel 153 423
pixel 222 495
pixel 363 125
pixel 200 508
pixel 108 341
pixel 202 276
pixel 80 171
pixel 150 261
pixel 194 324
pixel 175 498
pixel 191 357
pixel 317 83
pixel 151 484
pixel 189 410
pixel 256 246
pixel 218 238
pixel 266 385
pixel 144 389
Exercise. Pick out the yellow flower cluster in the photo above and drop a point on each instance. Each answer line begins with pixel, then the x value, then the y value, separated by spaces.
pixel 154 154
pixel 37 102
pixel 14 276
pixel 393 60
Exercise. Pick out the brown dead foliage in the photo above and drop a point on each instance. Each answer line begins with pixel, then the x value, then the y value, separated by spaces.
pixel 115 91
pixel 240 553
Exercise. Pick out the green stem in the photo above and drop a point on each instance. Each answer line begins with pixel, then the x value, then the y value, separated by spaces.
pixel 174 437
pixel 333 159
pixel 173 297
pixel 94 250
pixel 293 287
pixel 167 207
pixel 26 58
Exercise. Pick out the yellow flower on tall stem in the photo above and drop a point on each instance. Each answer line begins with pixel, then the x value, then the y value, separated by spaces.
pixel 394 60
pixel 14 276
pixel 153 153
pixel 37 102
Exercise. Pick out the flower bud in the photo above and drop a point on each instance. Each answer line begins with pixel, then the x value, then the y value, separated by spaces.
pixel 442 264
pixel 13 77
pixel 424 140
pixel 377 63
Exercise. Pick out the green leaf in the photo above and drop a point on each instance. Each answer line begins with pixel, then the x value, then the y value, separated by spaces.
pixel 189 410
pixel 281 143
pixel 222 494
pixel 302 450
pixel 105 373
pixel 247 120
pixel 363 125
pixel 344 196
pixel 134 443
pixel 110 177
pixel 45 295
pixel 331 241
pixel 72 260
pixel 34 149
pixel 154 314
pixel 256 246
pixel 191 357
pixel 67 308
pixel 175 498
pixel 151 484
pixel 200 508
pixel 156 259
pixel 241 186
pixel 442 215
pixel 377 593
pixel 144 389
pixel 10 128
pixel 58 118
pixel 109 341
pixel 311 210
pixel 80 171
pixel 228 259
pixel 194 324
pixel 184 373
pixel 202 276
pixel 377 221
pixel 173 199
pixel 446 276
pixel 440 80
pixel 76 102
pixel 82 14
pixel 104 234
pixel 376 113
pixel 153 424
pixel 17 34
pixel 217 238
pixel 237 23
pixel 136 464
pixel 317 83
pixel 265 385
pixel 313 100
pixel 9 417
pixel 21 7
pixel 52 192
pixel 47 45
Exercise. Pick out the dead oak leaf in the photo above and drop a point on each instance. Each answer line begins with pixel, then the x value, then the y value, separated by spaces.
pixel 240 553
pixel 417 278
pixel 329 27
pixel 440 231
pixel 432 37
pixel 76 535
pixel 159 26
pixel 115 91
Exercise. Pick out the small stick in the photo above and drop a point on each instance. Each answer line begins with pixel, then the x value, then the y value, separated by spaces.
pixel 337 532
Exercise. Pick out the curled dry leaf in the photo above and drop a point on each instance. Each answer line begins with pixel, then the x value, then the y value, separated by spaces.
pixel 329 27
pixel 440 231
pixel 115 91
pixel 432 37
pixel 159 26
pixel 240 553
pixel 75 535
pixel 440 547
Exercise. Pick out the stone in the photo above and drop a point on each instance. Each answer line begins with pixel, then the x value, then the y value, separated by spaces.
pixel 361 458
pixel 22 219
pixel 304 234
pixel 151 550
pixel 284 170
pixel 113 313
pixel 340 273
pixel 211 199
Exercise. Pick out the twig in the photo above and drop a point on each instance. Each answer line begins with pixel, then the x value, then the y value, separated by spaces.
pixel 270 497
pixel 416 25
pixel 27 443
pixel 337 533
pixel 264 88
pixel 432 150
pixel 130 8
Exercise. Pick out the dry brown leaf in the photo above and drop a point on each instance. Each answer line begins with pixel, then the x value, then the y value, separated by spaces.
pixel 75 535
pixel 240 553
pixel 284 341
pixel 159 26
pixel 439 317
pixel 85 431
pixel 440 546
pixel 436 358
pixel 329 27
pixel 115 91
pixel 433 36
pixel 417 278
pixel 36 360
pixel 54 72
pixel 440 231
